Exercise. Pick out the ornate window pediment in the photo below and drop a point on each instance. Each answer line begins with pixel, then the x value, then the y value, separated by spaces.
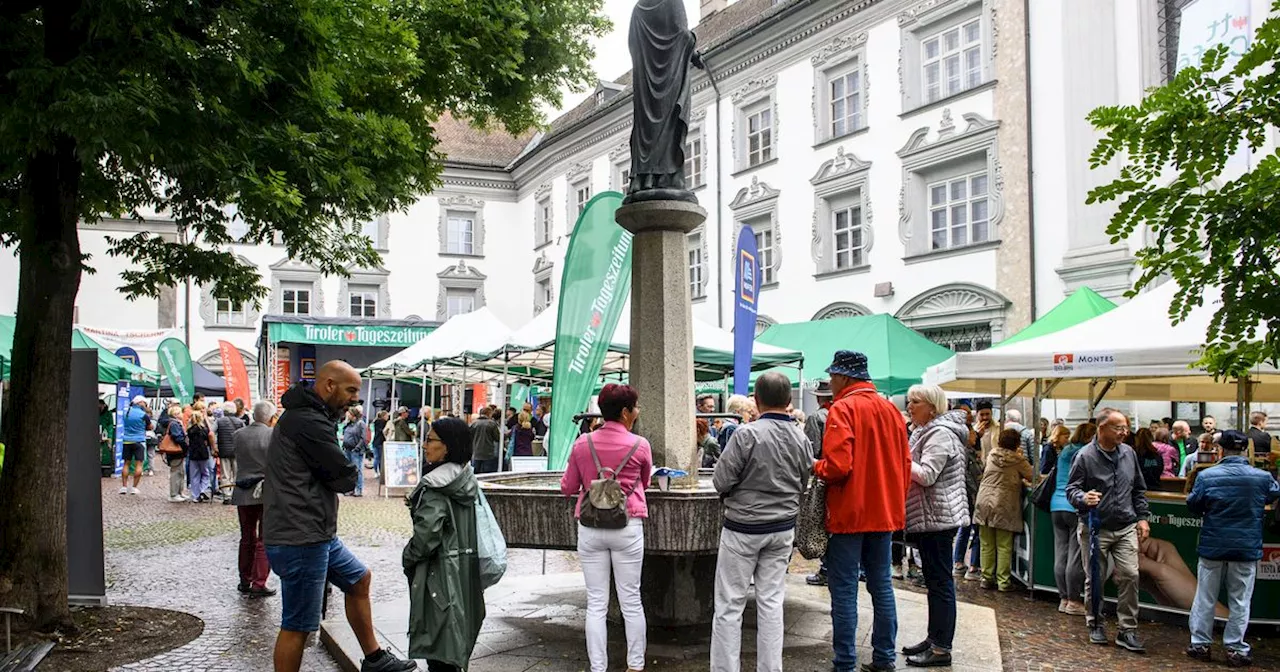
pixel 458 283
pixel 365 281
pixel 295 274
pixel 842 230
pixel 961 316
pixel 757 205
pixel 841 309
pixel 461 226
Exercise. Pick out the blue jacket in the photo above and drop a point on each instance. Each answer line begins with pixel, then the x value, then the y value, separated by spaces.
pixel 1059 501
pixel 1230 496
pixel 136 424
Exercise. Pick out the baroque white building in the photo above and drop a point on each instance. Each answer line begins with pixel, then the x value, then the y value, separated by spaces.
pixel 923 158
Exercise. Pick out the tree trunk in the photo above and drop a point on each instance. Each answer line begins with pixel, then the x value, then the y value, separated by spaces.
pixel 33 489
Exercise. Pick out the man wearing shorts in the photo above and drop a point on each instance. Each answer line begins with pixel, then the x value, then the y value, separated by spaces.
pixel 136 423
pixel 306 469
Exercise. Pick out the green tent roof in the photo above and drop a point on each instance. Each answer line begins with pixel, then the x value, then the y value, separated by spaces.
pixel 896 354
pixel 110 367
pixel 1084 304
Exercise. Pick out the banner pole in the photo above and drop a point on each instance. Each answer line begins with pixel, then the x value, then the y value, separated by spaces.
pixel 506 395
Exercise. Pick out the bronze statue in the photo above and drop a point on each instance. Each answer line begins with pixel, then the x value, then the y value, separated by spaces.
pixel 662 49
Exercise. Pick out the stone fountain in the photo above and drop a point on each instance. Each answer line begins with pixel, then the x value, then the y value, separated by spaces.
pixel 683 530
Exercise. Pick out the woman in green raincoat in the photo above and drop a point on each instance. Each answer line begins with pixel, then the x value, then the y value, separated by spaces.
pixel 445 595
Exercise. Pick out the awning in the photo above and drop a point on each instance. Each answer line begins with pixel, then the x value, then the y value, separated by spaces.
pixel 477 335
pixel 1085 304
pixel 345 331
pixel 111 368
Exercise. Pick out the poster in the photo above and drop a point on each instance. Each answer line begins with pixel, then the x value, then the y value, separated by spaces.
pixel 401 464
pixel 282 380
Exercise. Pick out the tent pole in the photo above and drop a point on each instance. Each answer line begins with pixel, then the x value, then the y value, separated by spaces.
pixel 1093 386
pixel 1035 476
pixel 1242 403
pixel 1004 396
pixel 507 403
pixel 394 405
pixel 800 381
pixel 463 396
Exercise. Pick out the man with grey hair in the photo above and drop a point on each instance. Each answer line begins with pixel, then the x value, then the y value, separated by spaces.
pixel 1106 487
pixel 226 427
pixel 739 405
pixel 251 461
pixel 1013 420
pixel 760 477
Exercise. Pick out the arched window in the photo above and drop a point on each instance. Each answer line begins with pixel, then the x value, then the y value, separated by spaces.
pixel 961 316
pixel 841 309
pixel 763 322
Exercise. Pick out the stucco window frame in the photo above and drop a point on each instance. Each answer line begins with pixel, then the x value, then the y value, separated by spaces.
pixel 288 270
pixel 834 58
pixel 579 176
pixel 382 232
pixel 696 133
pixel 701 232
pixel 462 204
pixel 365 277
pixel 957 305
pixel 460 277
pixel 757 202
pixel 296 286
pixel 932 17
pixel 208 308
pixel 544 218
pixel 951 153
pixel 836 181
pixel 542 271
pixel 840 309
pixel 755 95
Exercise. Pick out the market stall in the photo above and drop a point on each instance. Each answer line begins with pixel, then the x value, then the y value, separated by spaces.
pixel 1129 353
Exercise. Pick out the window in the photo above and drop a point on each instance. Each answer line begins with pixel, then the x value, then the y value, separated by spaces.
pixel 759 136
pixel 460 233
pixel 693 162
pixel 845 91
pixel 846 229
pixel 363 301
pixel 697 270
pixel 952 60
pixel 542 233
pixel 764 256
pixel 544 298
pixel 958 212
pixel 459 302
pixel 229 313
pixel 582 194
pixel 296 301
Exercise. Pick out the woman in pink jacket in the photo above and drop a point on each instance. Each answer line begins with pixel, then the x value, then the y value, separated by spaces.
pixel 622 550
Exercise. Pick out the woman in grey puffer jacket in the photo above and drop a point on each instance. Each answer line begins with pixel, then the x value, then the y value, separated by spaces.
pixel 937 506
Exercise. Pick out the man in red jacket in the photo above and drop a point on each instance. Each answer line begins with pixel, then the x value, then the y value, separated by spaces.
pixel 866 464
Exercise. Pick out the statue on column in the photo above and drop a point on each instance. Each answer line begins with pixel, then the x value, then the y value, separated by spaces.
pixel 662 49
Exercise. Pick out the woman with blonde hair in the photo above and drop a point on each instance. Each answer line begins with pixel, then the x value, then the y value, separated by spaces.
pixel 1068 568
pixel 173 447
pixel 202 446
pixel 524 434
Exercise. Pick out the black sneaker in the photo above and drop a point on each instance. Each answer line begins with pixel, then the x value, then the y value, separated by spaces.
pixel 818 579
pixel 243 588
pixel 385 662
pixel 1238 659
pixel 1128 639
pixel 1098 635
pixel 877 667
pixel 1199 652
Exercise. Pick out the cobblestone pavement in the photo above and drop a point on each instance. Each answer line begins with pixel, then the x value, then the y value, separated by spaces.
pixel 183 556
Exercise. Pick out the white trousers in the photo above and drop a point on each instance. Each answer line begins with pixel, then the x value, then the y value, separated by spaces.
pixel 743 557
pixel 622 552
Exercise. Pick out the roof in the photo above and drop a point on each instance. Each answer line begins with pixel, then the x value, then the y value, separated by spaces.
pixel 463 143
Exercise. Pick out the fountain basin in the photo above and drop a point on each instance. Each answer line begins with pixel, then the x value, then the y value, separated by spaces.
pixel 533 514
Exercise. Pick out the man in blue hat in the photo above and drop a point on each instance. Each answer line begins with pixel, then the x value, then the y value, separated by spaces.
pixel 1232 496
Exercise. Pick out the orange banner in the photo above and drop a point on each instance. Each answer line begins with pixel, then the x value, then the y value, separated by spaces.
pixel 234 372
pixel 479 397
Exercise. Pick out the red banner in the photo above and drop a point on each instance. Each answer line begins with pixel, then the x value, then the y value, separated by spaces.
pixel 282 373
pixel 234 372
pixel 479 397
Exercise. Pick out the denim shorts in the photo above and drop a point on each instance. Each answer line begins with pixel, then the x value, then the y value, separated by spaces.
pixel 303 571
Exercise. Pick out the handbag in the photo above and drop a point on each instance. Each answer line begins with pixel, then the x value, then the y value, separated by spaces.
pixel 811 522
pixel 1042 494
pixel 168 446
pixel 491 546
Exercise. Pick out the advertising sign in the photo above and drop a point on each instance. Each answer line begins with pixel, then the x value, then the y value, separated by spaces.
pixel 175 360
pixel 129 355
pixel 745 308
pixel 235 373
pixel 333 334
pixel 593 292
pixel 282 379
pixel 1075 364
pixel 122 407
pixel 401 464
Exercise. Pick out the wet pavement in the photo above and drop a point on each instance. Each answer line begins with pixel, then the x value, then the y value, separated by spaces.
pixel 183 556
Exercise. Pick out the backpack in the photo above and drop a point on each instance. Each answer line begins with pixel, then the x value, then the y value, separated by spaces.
pixel 491 546
pixel 605 506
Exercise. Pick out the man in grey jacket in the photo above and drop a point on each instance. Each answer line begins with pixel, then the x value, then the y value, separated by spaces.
pixel 1106 486
pixel 760 477
pixel 306 469
pixel 251 453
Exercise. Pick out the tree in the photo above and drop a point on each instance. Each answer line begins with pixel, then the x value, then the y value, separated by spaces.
pixel 1175 147
pixel 307 115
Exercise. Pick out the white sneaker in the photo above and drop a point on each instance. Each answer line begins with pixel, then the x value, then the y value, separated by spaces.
pixel 133 491
pixel 124 491
pixel 178 498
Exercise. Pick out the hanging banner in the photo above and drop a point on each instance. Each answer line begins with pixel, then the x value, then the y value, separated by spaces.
pixel 746 298
pixel 113 339
pixel 479 397
pixel 594 289
pixel 122 407
pixel 235 373
pixel 175 361
pixel 1205 24
pixel 282 379
pixel 129 355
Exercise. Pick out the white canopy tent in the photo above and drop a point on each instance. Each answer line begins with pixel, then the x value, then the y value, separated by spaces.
pixel 1134 351
pixel 477 335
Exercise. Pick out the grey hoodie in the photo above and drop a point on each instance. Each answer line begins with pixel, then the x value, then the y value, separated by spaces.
pixel 937 500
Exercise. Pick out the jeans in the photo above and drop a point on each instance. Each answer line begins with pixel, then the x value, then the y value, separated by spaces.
pixel 377 458
pixel 1118 549
pixel 621 551
pixel 847 554
pixel 356 458
pixel 177 475
pixel 935 562
pixel 485 466
pixel 743 557
pixel 201 477
pixel 1239 576
pixel 997 555
pixel 967 538
pixel 1068 572
pixel 253 555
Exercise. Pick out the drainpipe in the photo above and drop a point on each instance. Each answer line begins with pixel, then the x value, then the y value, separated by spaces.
pixel 719 205
pixel 1031 173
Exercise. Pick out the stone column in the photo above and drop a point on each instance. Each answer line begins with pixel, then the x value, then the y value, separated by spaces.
pixel 662 326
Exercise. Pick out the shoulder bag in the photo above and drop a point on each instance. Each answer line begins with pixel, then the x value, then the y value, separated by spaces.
pixel 1042 495
pixel 811 523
